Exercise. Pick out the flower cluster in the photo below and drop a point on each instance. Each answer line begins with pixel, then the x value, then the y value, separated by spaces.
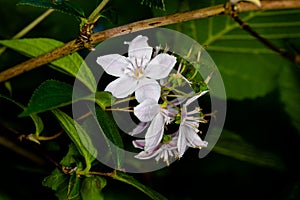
pixel 148 75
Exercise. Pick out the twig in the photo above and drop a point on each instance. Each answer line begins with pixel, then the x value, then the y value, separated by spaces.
pixel 95 14
pixel 74 46
pixel 21 151
pixel 234 15
pixel 47 138
pixel 110 174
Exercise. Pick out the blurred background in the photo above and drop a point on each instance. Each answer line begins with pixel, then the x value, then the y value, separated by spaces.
pixel 257 155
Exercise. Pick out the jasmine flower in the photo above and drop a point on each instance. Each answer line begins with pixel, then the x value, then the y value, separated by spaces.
pixel 137 72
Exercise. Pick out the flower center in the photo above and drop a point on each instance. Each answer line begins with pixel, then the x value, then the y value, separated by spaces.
pixel 138 72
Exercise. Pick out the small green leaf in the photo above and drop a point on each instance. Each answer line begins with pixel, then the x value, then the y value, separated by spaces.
pixel 72 64
pixel 120 176
pixel 59 5
pixel 104 99
pixel 49 95
pixel 79 137
pixel 39 125
pixel 91 188
pixel 70 159
pixel 58 182
pixel 289 87
pixel 233 145
pixel 74 187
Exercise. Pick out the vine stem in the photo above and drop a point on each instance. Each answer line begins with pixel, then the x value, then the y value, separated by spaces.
pixel 74 46
pixel 29 27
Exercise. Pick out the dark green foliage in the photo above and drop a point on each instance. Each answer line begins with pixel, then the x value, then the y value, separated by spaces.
pixel 59 5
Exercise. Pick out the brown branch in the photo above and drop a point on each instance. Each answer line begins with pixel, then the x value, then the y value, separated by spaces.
pixel 74 45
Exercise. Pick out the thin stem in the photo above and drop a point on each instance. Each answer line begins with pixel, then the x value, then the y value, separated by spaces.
pixel 194 75
pixel 42 138
pixel 176 90
pixel 124 100
pixel 21 151
pixel 95 14
pixel 74 46
pixel 263 40
pixel 110 174
pixel 120 109
pixel 176 96
pixel 24 152
pixel 84 116
pixel 29 27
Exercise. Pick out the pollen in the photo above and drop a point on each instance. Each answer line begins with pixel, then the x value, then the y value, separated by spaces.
pixel 138 72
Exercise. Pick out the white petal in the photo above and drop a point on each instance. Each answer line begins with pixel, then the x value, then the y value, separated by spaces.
pixel 190 100
pixel 173 142
pixel 147 89
pixel 122 87
pixel 147 155
pixel 160 66
pixel 139 49
pixel 139 144
pixel 146 110
pixel 114 64
pixel 194 140
pixel 154 133
pixel 139 128
pixel 182 143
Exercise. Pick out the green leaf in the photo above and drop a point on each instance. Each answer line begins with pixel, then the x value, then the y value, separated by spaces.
pixel 154 3
pixel 58 182
pixel 233 145
pixel 72 64
pixel 289 87
pixel 74 187
pixel 49 95
pixel 63 6
pixel 92 188
pixel 79 137
pixel 111 134
pixel 123 177
pixel 39 125
pixel 66 187
pixel 104 99
pixel 71 158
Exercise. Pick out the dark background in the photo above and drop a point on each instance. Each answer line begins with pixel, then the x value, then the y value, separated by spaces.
pixel 261 121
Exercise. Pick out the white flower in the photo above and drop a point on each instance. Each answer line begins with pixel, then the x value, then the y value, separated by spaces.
pixel 150 110
pixel 188 129
pixel 137 72
pixel 139 128
pixel 163 150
